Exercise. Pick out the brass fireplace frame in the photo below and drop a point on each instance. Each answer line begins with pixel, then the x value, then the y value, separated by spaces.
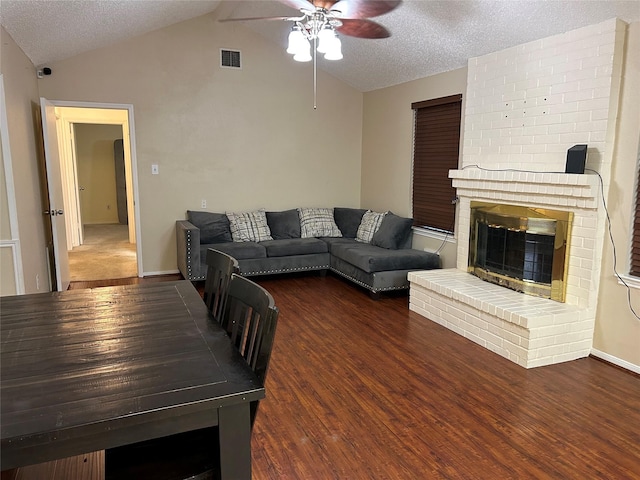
pixel 539 221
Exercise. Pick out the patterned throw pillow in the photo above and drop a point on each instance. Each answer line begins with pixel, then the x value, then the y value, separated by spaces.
pixel 369 225
pixel 249 226
pixel 318 222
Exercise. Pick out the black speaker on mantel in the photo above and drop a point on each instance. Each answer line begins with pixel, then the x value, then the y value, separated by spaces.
pixel 576 158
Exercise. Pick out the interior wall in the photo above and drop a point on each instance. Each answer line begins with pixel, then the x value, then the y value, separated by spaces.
pixel 387 152
pixel 96 172
pixel 238 139
pixel 617 330
pixel 22 103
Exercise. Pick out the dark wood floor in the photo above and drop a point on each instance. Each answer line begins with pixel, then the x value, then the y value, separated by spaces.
pixel 365 389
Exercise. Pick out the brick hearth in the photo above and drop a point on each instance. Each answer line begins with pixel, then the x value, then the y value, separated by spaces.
pixel 529 331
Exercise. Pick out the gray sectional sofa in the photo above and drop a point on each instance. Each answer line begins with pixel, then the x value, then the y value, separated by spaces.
pixel 372 250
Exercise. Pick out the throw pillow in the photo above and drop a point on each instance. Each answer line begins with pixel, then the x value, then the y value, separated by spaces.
pixel 393 232
pixel 368 226
pixel 318 222
pixel 284 224
pixel 249 226
pixel 214 227
pixel 348 220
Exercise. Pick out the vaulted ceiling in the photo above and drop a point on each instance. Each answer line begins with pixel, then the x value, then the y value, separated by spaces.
pixel 428 36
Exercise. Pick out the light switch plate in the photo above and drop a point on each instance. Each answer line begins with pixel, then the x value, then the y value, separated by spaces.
pixel 154 169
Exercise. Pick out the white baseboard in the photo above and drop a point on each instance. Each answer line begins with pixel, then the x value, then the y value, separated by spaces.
pixel 616 361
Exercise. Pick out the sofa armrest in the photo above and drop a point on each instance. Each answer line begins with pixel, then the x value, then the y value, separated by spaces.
pixel 188 250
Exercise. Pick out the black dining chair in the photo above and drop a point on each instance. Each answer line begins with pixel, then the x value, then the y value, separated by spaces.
pixel 250 318
pixel 220 267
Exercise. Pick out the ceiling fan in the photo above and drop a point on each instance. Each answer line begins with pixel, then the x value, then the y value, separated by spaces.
pixel 349 17
pixel 320 21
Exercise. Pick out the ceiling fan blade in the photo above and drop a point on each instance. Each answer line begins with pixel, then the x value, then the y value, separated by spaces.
pixel 299 4
pixel 347 8
pixel 253 18
pixel 363 8
pixel 362 28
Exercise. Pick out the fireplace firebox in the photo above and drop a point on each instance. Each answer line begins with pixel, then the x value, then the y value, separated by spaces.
pixel 522 248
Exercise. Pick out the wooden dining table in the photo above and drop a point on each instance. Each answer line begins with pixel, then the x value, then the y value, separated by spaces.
pixel 88 370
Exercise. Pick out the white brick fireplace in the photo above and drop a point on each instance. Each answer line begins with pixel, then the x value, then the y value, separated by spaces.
pixel 525 106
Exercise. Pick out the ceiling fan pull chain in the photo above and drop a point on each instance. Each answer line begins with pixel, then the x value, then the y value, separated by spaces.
pixel 315 77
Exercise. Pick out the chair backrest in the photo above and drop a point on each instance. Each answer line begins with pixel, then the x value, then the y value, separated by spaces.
pixel 220 267
pixel 250 320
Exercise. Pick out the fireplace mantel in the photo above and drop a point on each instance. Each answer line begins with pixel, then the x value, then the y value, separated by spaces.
pixel 539 188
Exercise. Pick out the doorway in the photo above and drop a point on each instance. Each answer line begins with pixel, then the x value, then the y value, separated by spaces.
pixel 104 250
pixel 99 188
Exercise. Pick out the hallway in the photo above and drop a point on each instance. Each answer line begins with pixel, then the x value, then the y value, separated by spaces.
pixel 105 254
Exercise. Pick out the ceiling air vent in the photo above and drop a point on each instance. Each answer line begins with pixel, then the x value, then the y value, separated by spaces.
pixel 229 58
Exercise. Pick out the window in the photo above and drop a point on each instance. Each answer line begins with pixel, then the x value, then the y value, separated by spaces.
pixel 436 149
pixel 635 241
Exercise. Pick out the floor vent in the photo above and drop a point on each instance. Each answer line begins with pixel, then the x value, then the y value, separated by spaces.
pixel 230 58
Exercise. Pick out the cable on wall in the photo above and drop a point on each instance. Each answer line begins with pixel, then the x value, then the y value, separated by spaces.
pixel 448 233
pixel 613 245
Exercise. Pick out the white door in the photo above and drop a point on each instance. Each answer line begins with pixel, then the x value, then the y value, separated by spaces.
pixel 56 199
pixel 73 191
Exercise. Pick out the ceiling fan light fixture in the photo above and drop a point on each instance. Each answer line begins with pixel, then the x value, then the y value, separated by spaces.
pixel 334 51
pixel 325 37
pixel 304 54
pixel 296 41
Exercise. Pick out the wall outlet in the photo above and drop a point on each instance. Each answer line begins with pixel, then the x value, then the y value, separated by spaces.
pixel 37 282
pixel 203 203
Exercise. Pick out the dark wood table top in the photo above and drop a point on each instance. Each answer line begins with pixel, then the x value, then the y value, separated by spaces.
pixel 86 370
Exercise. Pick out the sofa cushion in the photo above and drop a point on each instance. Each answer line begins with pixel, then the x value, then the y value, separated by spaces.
pixel 348 220
pixel 238 250
pixel 393 232
pixel 368 226
pixel 331 241
pixel 318 222
pixel 214 227
pixel 249 226
pixel 370 258
pixel 294 246
pixel 284 224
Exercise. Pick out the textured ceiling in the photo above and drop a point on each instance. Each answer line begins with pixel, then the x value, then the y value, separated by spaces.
pixel 428 36
pixel 51 30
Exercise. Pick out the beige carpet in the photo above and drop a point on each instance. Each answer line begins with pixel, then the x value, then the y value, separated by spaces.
pixel 105 254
